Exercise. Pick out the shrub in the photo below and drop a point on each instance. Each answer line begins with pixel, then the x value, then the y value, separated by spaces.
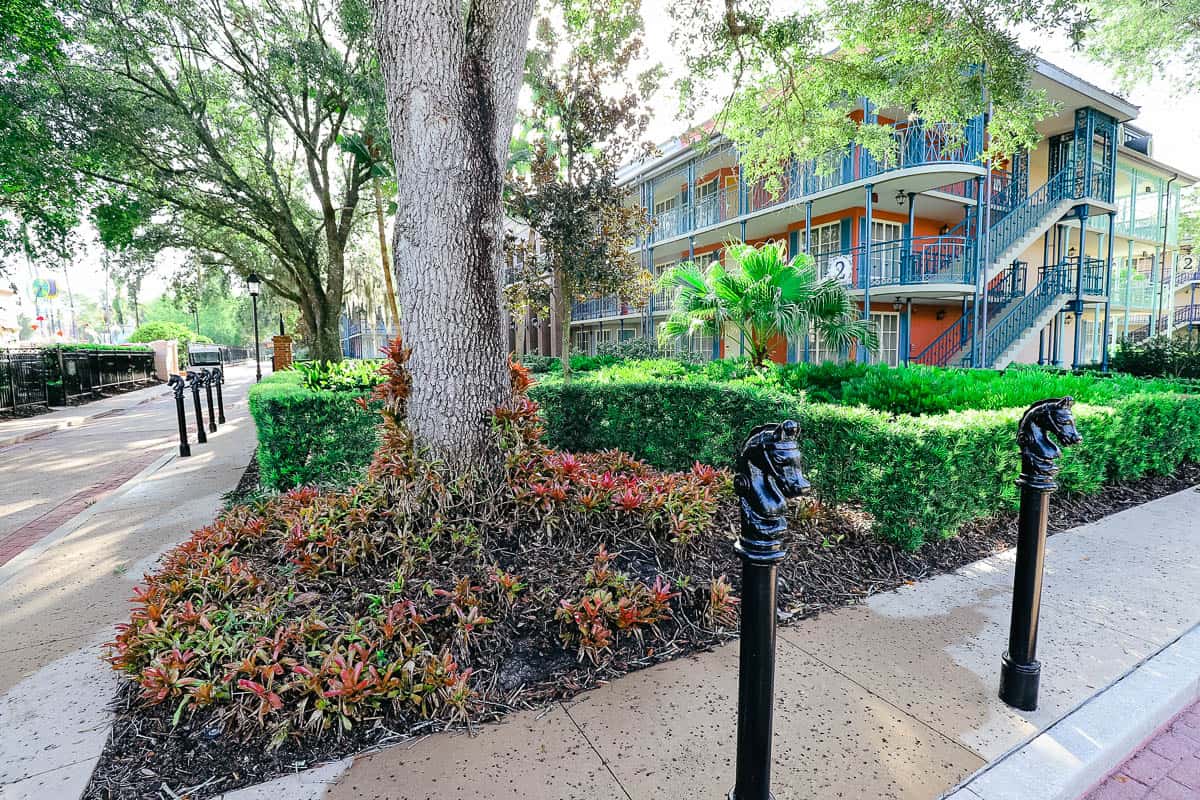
pixel 350 375
pixel 162 331
pixel 308 436
pixel 919 477
pixel 1159 356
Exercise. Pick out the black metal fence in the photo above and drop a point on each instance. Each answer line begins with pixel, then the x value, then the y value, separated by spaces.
pixel 39 377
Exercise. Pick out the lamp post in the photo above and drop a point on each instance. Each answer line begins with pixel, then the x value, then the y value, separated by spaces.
pixel 255 286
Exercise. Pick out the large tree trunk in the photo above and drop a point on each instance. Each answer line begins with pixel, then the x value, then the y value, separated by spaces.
pixel 452 71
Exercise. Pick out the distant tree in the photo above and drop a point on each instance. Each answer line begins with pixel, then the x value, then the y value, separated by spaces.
pixel 222 118
pixel 585 119
pixel 762 295
pixel 40 195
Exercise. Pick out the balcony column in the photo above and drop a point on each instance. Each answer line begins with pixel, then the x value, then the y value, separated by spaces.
pixel 981 269
pixel 1112 225
pixel 1156 287
pixel 865 271
pixel 1128 287
pixel 1078 345
pixel 909 237
pixel 691 195
pixel 907 351
pixel 808 227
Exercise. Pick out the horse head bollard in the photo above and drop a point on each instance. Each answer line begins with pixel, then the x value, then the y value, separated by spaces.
pixel 194 381
pixel 207 380
pixel 767 474
pixel 218 380
pixel 1042 424
pixel 177 385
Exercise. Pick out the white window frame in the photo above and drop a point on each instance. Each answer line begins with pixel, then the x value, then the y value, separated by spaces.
pixel 889 351
pixel 826 240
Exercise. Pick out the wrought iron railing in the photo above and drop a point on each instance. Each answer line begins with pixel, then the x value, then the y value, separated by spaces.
pixel 1187 315
pixel 916 145
pixel 33 377
pixel 1187 277
pixel 918 260
pixel 1027 214
pixel 952 346
pixel 595 308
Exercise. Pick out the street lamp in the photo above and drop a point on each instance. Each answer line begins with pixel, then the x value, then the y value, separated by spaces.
pixel 255 286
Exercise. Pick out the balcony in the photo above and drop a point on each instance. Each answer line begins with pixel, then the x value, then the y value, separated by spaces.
pixel 916 146
pixel 602 308
pixel 1184 278
pixel 920 261
pixel 1188 315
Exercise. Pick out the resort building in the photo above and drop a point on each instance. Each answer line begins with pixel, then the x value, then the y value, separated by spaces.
pixel 1076 245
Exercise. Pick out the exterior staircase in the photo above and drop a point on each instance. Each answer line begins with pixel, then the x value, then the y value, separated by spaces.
pixel 1013 318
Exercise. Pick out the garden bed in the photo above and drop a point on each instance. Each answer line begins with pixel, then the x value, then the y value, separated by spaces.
pixel 317 624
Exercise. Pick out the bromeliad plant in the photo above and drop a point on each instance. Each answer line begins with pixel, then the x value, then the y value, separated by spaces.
pixel 763 296
pixel 403 598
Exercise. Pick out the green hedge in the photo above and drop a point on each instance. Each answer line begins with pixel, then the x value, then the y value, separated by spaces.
pixel 309 436
pixel 918 476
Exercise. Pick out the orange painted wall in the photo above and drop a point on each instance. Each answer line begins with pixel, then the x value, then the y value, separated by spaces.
pixel 926 326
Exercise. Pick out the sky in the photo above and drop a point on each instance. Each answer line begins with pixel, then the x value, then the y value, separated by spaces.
pixel 1170 118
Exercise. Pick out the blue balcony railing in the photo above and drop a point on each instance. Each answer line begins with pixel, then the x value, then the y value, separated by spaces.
pixel 920 260
pixel 916 145
pixel 1187 315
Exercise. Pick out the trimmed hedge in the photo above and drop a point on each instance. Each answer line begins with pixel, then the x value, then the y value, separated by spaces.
pixel 919 477
pixel 309 436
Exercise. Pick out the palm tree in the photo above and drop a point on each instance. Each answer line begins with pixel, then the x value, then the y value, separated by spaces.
pixel 762 294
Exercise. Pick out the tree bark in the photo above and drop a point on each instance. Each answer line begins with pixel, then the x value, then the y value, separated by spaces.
pixel 452 71
pixel 562 308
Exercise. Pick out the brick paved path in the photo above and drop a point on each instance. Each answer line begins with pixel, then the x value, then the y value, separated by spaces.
pixel 1166 768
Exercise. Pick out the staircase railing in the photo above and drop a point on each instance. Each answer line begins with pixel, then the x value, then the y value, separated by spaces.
pixel 952 346
pixel 1056 281
pixel 1029 212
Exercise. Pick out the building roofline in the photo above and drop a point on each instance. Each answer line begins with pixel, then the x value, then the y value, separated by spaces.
pixel 1185 179
pixel 1126 109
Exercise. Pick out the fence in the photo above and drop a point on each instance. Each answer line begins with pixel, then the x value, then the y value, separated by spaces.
pixel 39 377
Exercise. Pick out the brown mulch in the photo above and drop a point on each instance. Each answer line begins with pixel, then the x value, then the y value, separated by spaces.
pixel 833 561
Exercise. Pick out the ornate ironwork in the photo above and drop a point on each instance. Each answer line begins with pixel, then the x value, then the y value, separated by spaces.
pixel 768 472
pixel 1042 423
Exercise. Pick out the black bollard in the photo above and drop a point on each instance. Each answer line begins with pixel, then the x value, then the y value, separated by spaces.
pixel 178 384
pixel 194 381
pixel 1020 671
pixel 218 380
pixel 208 382
pixel 768 472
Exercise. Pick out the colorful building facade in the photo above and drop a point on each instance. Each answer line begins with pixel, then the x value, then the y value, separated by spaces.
pixel 1076 243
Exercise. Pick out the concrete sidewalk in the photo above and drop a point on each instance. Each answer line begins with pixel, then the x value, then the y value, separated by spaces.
pixel 21 429
pixel 61 596
pixel 895 698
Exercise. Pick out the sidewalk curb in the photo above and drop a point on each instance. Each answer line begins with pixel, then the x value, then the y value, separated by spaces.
pixel 22 559
pixel 74 421
pixel 1075 754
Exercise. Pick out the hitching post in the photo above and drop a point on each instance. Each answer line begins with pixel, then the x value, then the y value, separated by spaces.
pixel 1020 670
pixel 218 379
pixel 194 381
pixel 208 382
pixel 177 384
pixel 768 472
